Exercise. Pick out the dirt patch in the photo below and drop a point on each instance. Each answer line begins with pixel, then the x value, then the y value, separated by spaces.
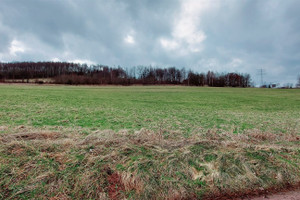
pixel 293 195
pixel 287 192
pixel 115 186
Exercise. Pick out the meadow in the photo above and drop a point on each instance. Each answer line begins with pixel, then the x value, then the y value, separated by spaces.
pixel 146 142
pixel 172 108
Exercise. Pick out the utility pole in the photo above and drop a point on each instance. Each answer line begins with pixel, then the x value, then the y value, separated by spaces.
pixel 261 72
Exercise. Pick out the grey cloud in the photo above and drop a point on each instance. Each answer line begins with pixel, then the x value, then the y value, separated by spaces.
pixel 262 33
pixel 240 35
pixel 46 20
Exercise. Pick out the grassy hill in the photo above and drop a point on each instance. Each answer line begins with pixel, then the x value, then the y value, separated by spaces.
pixel 163 142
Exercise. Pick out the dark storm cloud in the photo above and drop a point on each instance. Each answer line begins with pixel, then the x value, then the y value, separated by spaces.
pixel 230 35
pixel 93 30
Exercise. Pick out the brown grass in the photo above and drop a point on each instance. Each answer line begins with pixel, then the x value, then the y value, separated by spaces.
pixel 31 136
pixel 145 164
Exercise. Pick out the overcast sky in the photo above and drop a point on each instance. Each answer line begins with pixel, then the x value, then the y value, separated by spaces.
pixel 219 35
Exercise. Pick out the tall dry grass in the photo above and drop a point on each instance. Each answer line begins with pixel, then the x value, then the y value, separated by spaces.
pixel 66 164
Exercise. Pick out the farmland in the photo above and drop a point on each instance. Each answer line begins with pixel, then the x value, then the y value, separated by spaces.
pixel 141 142
pixel 132 108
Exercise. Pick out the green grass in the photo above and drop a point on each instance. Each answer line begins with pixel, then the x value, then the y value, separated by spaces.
pixel 79 142
pixel 170 108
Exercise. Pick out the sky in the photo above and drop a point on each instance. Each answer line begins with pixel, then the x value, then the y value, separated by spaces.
pixel 219 35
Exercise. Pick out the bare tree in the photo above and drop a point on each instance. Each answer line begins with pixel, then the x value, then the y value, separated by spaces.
pixel 75 73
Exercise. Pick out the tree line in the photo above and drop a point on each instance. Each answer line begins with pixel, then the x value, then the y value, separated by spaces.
pixel 75 73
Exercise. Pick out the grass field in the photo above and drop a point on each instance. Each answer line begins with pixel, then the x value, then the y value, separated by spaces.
pixel 163 142
pixel 171 108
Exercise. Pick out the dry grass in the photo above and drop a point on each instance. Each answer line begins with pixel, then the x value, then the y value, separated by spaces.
pixel 65 164
pixel 31 136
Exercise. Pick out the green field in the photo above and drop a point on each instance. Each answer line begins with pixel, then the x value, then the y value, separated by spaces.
pixel 184 109
pixel 145 142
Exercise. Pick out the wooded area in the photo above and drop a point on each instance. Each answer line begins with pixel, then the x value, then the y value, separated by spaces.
pixel 74 73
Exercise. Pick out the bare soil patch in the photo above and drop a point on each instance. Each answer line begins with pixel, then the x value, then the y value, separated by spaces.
pixel 291 195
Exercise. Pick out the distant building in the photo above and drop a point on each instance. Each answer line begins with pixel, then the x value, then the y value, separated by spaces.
pixel 270 85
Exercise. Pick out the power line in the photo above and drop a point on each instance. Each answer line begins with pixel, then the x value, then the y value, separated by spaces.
pixel 261 73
